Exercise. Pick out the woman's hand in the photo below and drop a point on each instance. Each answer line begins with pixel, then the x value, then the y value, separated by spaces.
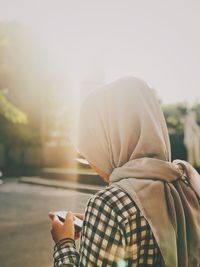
pixel 62 230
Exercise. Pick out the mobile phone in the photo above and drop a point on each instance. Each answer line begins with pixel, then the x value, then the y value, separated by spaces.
pixel 78 223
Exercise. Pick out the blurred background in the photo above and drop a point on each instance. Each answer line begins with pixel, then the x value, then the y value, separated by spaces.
pixel 52 54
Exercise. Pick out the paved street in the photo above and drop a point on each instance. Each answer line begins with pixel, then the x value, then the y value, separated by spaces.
pixel 24 225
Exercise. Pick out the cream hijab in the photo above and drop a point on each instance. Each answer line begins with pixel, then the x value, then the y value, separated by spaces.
pixel 122 131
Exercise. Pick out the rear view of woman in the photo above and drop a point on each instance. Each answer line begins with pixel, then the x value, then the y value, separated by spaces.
pixel 149 214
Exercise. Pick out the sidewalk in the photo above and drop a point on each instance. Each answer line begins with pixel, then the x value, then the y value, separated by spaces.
pixel 76 186
pixel 25 226
pixel 82 176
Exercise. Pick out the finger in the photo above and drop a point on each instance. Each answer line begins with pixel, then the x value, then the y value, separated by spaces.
pixel 79 215
pixel 69 219
pixel 53 217
pixel 69 216
pixel 77 235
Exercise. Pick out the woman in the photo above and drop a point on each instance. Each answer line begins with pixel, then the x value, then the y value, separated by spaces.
pixel 149 214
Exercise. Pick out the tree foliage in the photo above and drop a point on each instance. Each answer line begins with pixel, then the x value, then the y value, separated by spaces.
pixel 10 112
pixel 15 128
pixel 174 115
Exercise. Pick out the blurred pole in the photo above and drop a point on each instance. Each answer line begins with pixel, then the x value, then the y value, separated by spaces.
pixel 42 126
pixel 1 174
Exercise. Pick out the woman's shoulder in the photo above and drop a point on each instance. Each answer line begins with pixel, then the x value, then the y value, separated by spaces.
pixel 116 199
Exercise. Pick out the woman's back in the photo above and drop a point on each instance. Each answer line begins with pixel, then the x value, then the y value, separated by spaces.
pixel 123 133
pixel 114 234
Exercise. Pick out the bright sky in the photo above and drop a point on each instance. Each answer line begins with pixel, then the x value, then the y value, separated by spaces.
pixel 156 40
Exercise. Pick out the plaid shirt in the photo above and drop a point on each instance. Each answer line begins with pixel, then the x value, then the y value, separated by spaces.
pixel 114 233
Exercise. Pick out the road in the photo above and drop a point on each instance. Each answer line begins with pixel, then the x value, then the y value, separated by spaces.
pixel 25 239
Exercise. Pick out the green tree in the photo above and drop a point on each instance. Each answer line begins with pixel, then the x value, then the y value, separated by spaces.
pixel 10 112
pixel 14 130
pixel 16 61
pixel 174 115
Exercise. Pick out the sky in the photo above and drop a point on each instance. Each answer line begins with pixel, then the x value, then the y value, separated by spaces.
pixel 155 40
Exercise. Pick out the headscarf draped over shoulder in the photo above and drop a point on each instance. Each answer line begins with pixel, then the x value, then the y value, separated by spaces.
pixel 122 130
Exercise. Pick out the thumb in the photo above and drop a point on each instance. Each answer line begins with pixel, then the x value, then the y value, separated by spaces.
pixel 69 218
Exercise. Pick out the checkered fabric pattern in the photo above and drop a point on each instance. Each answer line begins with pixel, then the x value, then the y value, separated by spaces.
pixel 114 234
